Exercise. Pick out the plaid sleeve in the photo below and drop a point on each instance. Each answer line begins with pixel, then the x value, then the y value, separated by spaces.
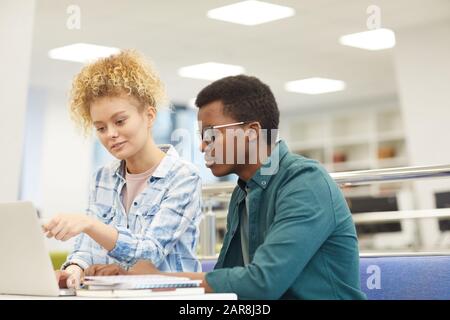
pixel 81 254
pixel 179 213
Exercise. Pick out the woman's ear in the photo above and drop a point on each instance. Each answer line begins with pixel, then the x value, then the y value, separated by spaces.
pixel 150 113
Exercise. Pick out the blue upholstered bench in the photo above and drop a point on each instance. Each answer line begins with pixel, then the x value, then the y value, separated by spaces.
pixel 406 277
pixel 208 265
pixel 399 277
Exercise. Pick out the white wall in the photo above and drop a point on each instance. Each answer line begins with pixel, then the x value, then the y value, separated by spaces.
pixel 66 164
pixel 16 23
pixel 32 150
pixel 422 61
pixel 58 164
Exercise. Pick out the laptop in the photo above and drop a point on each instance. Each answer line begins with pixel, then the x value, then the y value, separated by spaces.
pixel 25 268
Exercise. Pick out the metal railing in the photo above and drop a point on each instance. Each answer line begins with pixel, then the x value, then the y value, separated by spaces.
pixel 392 174
pixel 351 178
pixel 222 192
pixel 388 216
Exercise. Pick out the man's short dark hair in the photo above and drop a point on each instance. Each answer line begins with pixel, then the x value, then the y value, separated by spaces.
pixel 245 98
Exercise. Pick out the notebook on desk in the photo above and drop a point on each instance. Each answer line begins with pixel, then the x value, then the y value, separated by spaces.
pixel 139 293
pixel 138 282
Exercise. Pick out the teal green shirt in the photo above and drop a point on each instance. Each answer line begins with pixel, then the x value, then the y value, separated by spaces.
pixel 302 241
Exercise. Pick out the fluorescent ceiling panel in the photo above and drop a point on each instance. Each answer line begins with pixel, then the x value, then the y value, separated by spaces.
pixel 82 52
pixel 377 39
pixel 315 85
pixel 210 71
pixel 251 12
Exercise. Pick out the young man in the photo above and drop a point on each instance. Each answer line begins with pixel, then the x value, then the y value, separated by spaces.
pixel 290 234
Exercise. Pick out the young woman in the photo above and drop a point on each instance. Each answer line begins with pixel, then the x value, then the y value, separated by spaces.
pixel 147 204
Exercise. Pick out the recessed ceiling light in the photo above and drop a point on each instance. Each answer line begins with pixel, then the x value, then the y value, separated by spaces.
pixel 315 85
pixel 251 12
pixel 81 52
pixel 377 39
pixel 210 71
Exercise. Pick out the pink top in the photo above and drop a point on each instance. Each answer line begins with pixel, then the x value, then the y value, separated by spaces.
pixel 136 183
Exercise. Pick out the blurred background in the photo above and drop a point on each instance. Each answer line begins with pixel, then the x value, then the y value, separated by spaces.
pixel 360 85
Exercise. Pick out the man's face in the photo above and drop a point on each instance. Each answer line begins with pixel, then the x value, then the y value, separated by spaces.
pixel 212 115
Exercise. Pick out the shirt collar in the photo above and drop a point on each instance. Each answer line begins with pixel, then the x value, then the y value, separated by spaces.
pixel 163 168
pixel 270 167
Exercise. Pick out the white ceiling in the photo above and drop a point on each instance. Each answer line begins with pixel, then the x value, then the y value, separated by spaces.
pixel 176 33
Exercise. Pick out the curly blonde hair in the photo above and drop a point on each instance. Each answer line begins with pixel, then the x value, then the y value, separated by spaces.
pixel 127 72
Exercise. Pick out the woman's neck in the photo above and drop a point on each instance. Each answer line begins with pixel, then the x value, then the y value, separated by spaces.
pixel 148 157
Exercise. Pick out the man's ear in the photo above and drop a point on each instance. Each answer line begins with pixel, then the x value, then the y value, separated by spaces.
pixel 253 131
pixel 150 113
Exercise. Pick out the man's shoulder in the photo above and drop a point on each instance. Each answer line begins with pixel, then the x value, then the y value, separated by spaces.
pixel 295 164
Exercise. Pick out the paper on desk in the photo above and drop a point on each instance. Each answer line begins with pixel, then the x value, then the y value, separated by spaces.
pixel 139 293
pixel 138 282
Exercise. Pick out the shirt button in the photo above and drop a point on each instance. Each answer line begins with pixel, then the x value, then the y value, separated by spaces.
pixel 135 203
pixel 263 183
pixel 104 215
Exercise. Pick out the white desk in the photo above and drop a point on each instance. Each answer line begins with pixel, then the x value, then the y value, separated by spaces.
pixel 206 296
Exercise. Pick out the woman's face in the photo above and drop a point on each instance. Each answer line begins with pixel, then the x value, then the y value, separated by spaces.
pixel 120 124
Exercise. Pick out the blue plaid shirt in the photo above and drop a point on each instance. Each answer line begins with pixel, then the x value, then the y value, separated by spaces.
pixel 162 225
